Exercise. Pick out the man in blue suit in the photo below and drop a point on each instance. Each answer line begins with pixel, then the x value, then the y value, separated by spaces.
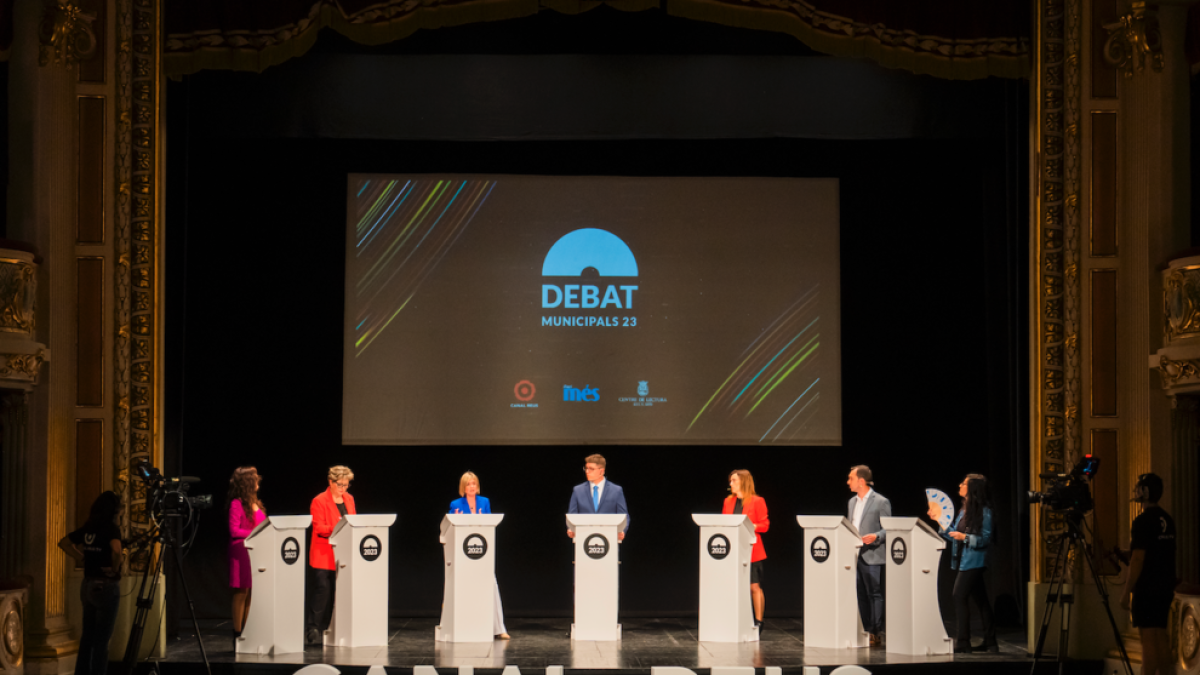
pixel 598 495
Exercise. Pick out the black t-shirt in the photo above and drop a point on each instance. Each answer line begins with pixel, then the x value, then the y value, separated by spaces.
pixel 737 506
pixel 1154 533
pixel 342 509
pixel 96 543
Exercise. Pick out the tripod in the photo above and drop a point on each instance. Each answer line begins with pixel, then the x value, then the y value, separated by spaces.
pixel 1056 595
pixel 165 537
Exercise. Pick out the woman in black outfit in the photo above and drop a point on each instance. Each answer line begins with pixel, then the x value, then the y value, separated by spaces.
pixel 970 536
pixel 97 545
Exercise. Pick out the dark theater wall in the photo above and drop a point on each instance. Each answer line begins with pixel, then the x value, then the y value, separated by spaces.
pixel 934 361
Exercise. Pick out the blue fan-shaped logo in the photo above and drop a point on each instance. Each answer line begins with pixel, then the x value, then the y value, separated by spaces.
pixel 590 247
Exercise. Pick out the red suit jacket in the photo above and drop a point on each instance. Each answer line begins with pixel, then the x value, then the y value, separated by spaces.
pixel 325 516
pixel 757 511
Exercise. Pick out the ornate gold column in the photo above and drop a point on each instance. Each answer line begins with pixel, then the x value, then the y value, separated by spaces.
pixel 42 193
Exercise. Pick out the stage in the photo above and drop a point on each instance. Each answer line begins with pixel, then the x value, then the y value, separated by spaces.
pixel 645 643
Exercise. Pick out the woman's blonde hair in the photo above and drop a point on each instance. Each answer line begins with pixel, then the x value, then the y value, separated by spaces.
pixel 339 471
pixel 462 484
pixel 747 484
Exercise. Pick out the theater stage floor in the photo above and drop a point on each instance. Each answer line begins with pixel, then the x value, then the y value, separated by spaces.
pixel 537 643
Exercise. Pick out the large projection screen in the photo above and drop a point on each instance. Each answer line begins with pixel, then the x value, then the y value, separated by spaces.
pixel 487 310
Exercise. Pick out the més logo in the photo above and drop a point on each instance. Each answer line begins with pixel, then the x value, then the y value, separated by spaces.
pixel 575 252
pixel 575 394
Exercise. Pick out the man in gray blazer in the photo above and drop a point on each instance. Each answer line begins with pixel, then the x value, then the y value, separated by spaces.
pixel 865 509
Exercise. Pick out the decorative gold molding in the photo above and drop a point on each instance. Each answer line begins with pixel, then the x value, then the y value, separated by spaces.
pixel 137 241
pixel 1056 377
pixel 65 34
pixel 1133 38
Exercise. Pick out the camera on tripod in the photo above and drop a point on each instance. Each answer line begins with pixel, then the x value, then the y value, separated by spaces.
pixel 1068 492
pixel 166 498
pixel 1070 495
pixel 169 496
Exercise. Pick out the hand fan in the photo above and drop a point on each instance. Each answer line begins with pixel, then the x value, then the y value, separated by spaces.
pixel 941 500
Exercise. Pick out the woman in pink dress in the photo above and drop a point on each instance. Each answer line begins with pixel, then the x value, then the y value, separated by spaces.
pixel 245 513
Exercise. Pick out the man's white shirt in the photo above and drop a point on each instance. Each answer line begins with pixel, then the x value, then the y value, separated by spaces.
pixel 860 507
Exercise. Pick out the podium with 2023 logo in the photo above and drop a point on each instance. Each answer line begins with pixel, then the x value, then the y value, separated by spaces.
pixel 468 605
pixel 831 617
pixel 726 544
pixel 596 575
pixel 914 619
pixel 360 607
pixel 276 549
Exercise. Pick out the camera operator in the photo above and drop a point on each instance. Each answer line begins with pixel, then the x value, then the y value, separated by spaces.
pixel 98 546
pixel 1150 584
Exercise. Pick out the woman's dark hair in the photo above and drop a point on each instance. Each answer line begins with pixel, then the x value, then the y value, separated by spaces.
pixel 243 485
pixel 104 509
pixel 977 500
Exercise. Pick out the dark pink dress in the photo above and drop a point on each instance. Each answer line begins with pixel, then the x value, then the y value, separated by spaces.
pixel 240 527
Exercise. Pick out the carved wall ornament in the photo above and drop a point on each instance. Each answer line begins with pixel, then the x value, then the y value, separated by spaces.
pixel 65 34
pixel 1181 302
pixel 23 368
pixel 1173 371
pixel 1133 39
pixel 13 632
pixel 1189 637
pixel 1185 631
pixel 18 296
pixel 12 629
pixel 21 357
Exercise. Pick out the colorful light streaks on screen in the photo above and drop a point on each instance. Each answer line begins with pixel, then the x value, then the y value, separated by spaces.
pixel 774 387
pixel 404 229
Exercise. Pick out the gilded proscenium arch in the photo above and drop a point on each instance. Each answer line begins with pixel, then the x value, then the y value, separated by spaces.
pixel 1054 278
pixel 138 249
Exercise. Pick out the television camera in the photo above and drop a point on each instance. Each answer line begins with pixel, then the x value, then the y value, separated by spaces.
pixel 1068 492
pixel 166 497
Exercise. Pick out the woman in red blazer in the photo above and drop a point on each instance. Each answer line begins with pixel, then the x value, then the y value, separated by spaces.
pixel 744 500
pixel 327 509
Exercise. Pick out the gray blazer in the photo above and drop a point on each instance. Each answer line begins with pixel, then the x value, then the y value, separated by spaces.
pixel 877 507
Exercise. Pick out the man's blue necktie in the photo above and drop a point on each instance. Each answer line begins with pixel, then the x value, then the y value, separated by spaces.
pixel 596 498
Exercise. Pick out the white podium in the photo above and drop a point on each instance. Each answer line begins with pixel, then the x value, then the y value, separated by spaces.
pixel 276 624
pixel 469 601
pixel 914 619
pixel 726 544
pixel 596 575
pixel 360 608
pixel 831 617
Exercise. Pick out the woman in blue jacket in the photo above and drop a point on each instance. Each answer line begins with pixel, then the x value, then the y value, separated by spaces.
pixel 470 501
pixel 970 536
